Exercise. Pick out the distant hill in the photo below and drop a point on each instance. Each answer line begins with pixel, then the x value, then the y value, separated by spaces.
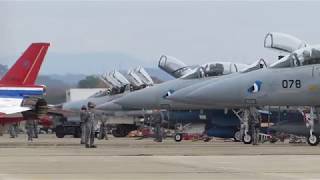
pixel 70 79
pixel 3 70
pixel 90 63
pixel 73 79
pixel 56 89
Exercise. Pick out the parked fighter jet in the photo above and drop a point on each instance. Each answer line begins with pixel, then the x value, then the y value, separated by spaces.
pixel 119 85
pixel 291 81
pixel 155 97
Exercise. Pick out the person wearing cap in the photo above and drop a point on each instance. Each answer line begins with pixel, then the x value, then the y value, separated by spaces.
pixel 83 113
pixel 90 121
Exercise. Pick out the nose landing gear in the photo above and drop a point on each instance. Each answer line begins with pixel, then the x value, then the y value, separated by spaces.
pixel 313 138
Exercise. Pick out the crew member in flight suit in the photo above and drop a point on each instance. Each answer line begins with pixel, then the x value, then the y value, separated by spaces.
pixel 255 126
pixel 83 113
pixel 90 123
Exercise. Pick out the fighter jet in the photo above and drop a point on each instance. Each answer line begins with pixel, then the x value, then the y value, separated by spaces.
pixel 119 86
pixel 155 97
pixel 294 80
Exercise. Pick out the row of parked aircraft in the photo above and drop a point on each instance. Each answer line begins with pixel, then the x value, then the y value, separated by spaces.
pixel 213 93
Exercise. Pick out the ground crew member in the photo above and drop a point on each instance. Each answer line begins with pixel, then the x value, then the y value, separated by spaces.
pixel 13 130
pixel 244 124
pixel 35 128
pixel 90 122
pixel 157 130
pixel 83 113
pixel 30 129
pixel 255 127
pixel 103 128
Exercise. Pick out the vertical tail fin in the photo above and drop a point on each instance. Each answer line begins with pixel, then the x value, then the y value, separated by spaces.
pixel 26 69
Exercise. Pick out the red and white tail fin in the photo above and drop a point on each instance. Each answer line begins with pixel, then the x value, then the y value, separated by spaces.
pixel 26 69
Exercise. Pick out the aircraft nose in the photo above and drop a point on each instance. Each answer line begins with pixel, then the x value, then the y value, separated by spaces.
pixel 186 95
pixel 179 96
pixel 140 99
pixel 109 106
pixel 133 100
pixel 192 95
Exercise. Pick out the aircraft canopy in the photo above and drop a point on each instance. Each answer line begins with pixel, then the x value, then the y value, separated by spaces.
pixel 213 69
pixel 283 42
pixel 301 57
pixel 173 66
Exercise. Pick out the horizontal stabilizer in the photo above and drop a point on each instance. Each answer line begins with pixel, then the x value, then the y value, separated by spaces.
pixel 13 110
pixel 11 106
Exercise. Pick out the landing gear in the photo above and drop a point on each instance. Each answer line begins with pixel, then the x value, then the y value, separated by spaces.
pixel 248 119
pixel 237 136
pixel 178 137
pixel 247 139
pixel 313 139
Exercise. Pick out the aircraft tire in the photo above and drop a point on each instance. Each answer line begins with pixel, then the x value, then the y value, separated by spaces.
pixel 247 139
pixel 313 140
pixel 77 133
pixel 60 132
pixel 237 136
pixel 178 137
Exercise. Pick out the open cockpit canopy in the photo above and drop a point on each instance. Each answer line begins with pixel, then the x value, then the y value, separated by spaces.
pixel 301 57
pixel 283 42
pixel 173 66
pixel 213 69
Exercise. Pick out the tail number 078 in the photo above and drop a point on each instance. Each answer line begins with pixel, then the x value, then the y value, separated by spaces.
pixel 291 83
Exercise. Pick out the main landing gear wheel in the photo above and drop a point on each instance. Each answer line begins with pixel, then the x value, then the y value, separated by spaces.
pixel 178 137
pixel 247 139
pixel 313 139
pixel 237 136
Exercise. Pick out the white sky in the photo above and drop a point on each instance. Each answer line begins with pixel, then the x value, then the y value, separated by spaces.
pixel 195 32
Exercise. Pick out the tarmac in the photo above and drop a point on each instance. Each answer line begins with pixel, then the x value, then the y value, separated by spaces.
pixel 131 158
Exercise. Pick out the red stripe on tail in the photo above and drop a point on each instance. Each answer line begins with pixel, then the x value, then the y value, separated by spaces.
pixel 25 70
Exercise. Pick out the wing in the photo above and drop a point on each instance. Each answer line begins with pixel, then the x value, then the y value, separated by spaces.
pixel 11 106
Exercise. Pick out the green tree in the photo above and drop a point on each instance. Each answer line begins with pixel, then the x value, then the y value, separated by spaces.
pixel 91 82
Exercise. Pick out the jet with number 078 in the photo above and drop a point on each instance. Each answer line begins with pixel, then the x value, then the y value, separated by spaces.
pixel 294 80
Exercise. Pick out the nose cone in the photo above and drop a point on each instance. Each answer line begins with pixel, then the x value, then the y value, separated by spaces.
pixel 109 106
pixel 141 99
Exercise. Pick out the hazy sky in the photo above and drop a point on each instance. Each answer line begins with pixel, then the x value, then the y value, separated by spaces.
pixel 195 32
